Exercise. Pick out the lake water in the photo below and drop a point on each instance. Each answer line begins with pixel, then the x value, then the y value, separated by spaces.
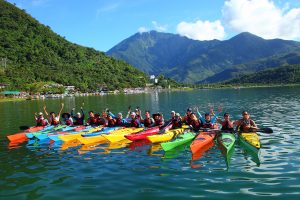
pixel 52 171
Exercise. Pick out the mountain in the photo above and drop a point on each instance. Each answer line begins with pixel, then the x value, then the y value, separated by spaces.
pixel 31 52
pixel 281 75
pixel 194 61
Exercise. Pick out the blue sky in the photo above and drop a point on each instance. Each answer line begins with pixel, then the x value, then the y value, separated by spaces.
pixel 101 24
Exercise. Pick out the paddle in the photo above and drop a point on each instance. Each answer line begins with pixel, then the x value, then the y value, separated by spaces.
pixel 24 127
pixel 264 130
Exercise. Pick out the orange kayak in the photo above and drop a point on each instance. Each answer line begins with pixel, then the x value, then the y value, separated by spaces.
pixel 22 136
pixel 202 140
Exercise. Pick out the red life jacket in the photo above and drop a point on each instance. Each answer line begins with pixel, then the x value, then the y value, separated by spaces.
pixel 111 123
pixel 226 126
pixel 147 122
pixel 69 122
pixel 177 123
pixel 92 121
pixel 245 123
pixel 135 123
pixel 119 122
pixel 196 125
pixel 158 122
pixel 101 121
pixel 188 120
pixel 53 121
pixel 41 122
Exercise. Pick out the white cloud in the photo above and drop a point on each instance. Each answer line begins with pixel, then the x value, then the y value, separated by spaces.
pixel 142 29
pixel 159 27
pixel 201 30
pixel 263 18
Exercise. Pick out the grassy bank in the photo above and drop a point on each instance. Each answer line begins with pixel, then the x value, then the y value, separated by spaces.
pixel 11 99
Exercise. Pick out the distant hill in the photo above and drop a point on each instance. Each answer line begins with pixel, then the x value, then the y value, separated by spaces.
pixel 33 52
pixel 280 75
pixel 193 61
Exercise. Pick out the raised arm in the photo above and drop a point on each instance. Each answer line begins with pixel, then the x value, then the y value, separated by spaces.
pixel 62 106
pixel 82 113
pixel 45 111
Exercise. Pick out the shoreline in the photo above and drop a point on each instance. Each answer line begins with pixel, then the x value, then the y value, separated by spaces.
pixel 17 99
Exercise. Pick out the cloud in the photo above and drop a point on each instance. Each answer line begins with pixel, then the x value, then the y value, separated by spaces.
pixel 142 29
pixel 263 18
pixel 201 30
pixel 158 27
pixel 107 8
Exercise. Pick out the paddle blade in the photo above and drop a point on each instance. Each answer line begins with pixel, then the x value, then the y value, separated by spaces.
pixel 24 128
pixel 265 130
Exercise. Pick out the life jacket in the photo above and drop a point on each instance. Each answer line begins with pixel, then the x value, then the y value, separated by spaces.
pixel 245 123
pixel 119 122
pixel 208 124
pixel 41 122
pixel 54 121
pixel 188 120
pixel 135 123
pixel 92 120
pixel 196 125
pixel 101 121
pixel 158 122
pixel 68 122
pixel 177 123
pixel 226 126
pixel 111 123
pixel 78 121
pixel 147 122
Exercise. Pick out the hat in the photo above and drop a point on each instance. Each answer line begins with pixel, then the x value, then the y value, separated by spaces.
pixel 120 113
pixel 172 111
pixel 178 114
pixel 78 113
pixel 189 110
pixel 40 113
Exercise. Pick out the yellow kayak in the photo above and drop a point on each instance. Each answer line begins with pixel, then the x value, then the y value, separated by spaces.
pixel 119 136
pixel 165 136
pixel 71 137
pixel 103 137
pixel 251 138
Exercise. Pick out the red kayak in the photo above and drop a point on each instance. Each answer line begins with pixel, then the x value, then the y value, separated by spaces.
pixel 150 131
pixel 22 136
pixel 202 140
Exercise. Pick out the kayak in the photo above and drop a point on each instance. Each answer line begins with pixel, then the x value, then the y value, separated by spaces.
pixel 165 136
pixel 197 155
pixel 250 140
pixel 22 136
pixel 70 137
pixel 226 143
pixel 181 139
pixel 251 144
pixel 46 130
pixel 177 151
pixel 117 136
pixel 202 140
pixel 55 136
pixel 103 130
pixel 147 132
pixel 105 137
pixel 61 132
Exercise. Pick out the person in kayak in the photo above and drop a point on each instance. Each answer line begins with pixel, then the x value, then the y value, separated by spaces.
pixel 245 124
pixel 187 118
pixel 53 119
pixel 158 119
pixel 207 121
pixel 195 122
pixel 78 118
pixel 227 125
pixel 40 120
pixel 148 121
pixel 66 119
pixel 134 121
pixel 111 122
pixel 92 120
pixel 120 121
pixel 101 120
pixel 177 122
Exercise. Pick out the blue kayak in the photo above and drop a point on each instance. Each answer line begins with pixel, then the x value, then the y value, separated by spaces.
pixel 102 131
pixel 55 137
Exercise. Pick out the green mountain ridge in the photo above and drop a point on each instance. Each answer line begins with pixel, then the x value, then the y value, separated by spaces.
pixel 192 61
pixel 33 53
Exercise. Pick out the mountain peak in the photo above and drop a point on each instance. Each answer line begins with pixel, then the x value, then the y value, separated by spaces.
pixel 246 36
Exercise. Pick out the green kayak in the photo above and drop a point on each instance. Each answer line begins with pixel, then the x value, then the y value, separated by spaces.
pixel 226 143
pixel 181 139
